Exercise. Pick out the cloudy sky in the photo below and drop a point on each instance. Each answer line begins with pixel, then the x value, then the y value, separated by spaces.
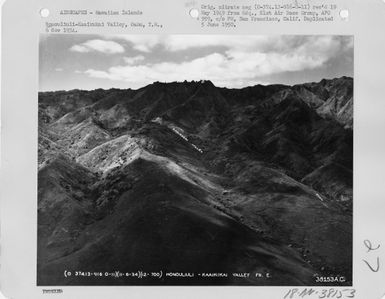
pixel 133 61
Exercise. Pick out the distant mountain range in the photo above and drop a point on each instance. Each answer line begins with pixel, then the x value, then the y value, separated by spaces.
pixel 189 177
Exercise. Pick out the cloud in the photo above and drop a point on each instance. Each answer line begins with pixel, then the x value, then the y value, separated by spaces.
pixel 146 43
pixel 267 43
pixel 184 42
pixel 142 43
pixel 234 69
pixel 242 60
pixel 97 45
pixel 133 60
pixel 59 69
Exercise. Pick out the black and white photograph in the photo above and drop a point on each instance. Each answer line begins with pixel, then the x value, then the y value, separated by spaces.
pixel 195 160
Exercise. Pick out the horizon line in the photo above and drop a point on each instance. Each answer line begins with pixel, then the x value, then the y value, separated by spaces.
pixel 194 81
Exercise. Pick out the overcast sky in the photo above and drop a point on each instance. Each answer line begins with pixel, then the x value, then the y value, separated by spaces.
pixel 132 61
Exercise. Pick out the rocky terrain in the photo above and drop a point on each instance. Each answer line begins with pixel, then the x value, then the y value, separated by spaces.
pixel 189 177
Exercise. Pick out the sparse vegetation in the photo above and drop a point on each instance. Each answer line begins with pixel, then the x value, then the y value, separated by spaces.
pixel 193 177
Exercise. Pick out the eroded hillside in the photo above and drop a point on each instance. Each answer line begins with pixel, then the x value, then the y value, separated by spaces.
pixel 188 177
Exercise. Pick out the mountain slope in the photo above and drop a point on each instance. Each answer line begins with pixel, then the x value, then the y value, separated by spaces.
pixel 188 177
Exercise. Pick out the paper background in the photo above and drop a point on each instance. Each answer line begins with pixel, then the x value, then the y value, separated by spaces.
pixel 21 27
